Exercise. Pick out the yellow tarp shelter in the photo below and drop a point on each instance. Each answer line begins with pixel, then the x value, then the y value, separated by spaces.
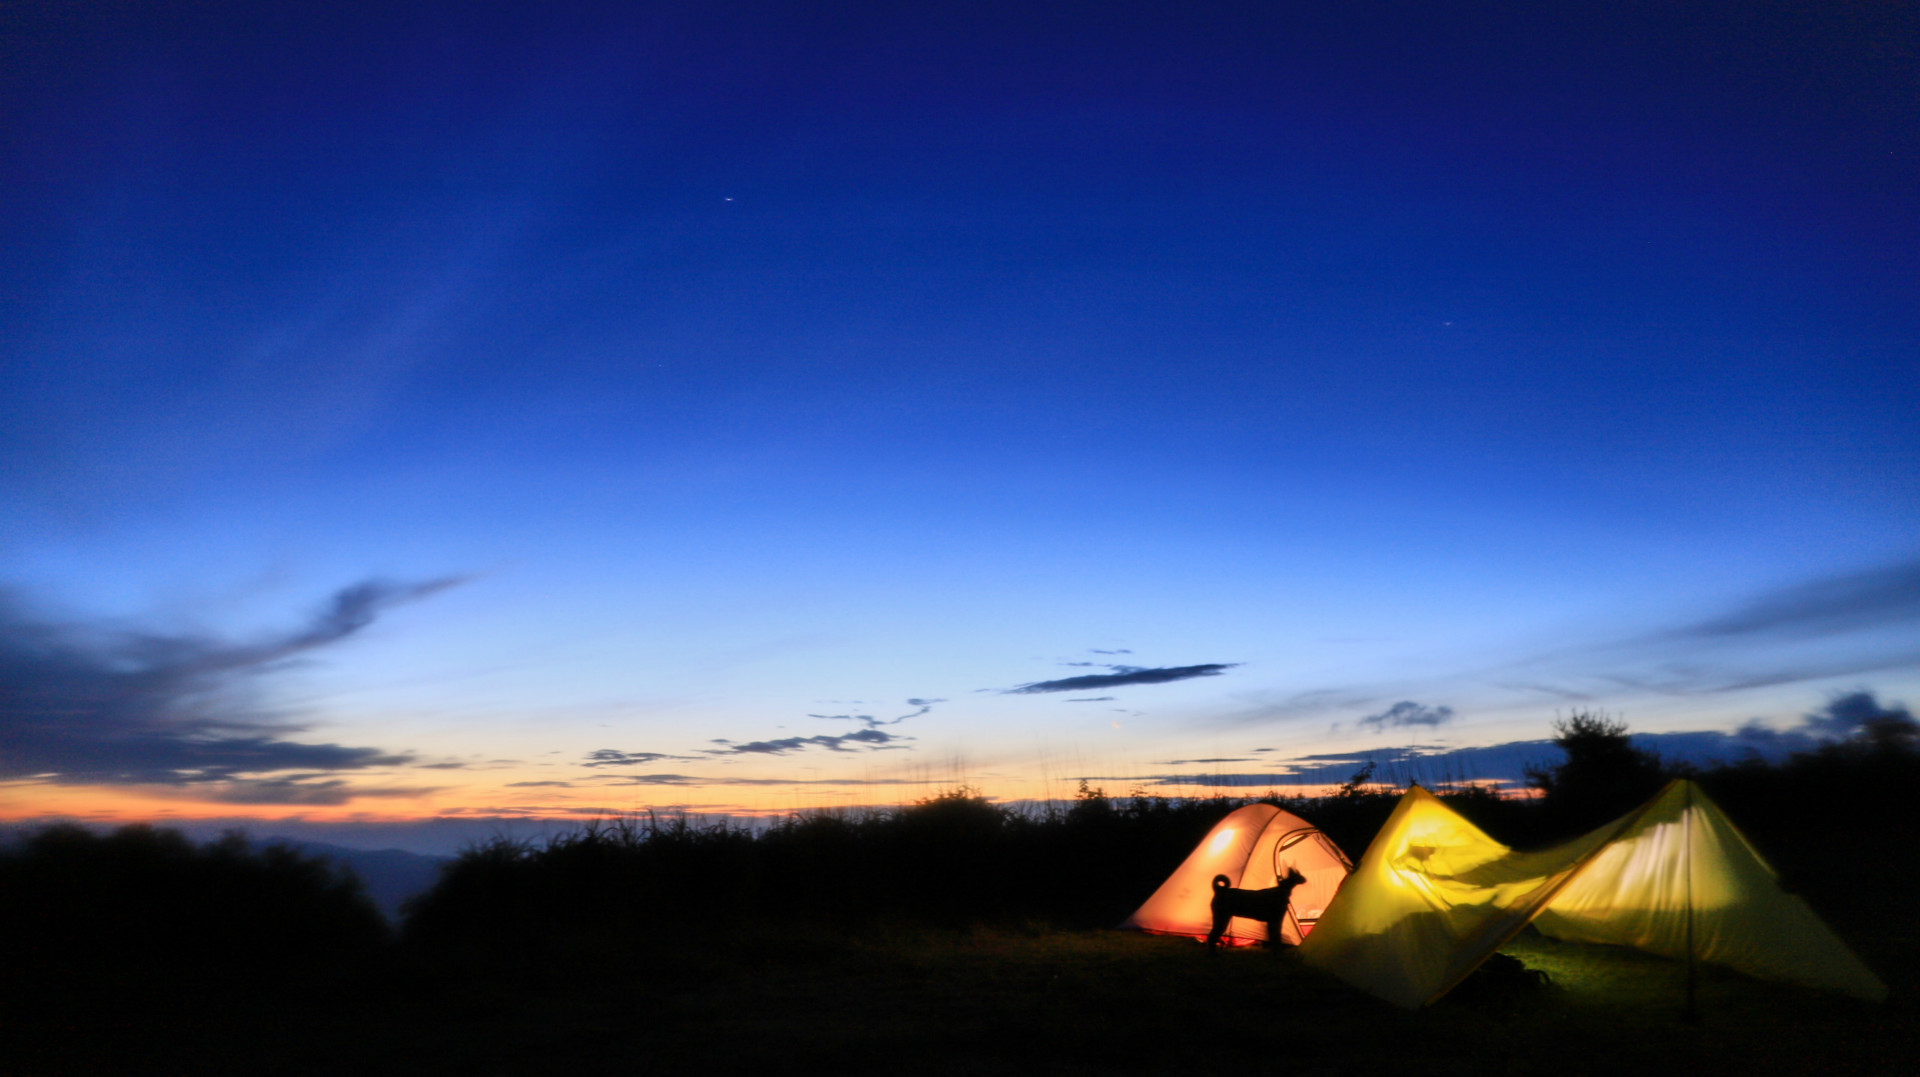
pixel 1253 847
pixel 1433 896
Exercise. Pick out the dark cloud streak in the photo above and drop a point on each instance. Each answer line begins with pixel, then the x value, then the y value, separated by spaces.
pixel 874 738
pixel 1408 713
pixel 1122 676
pixel 1887 596
pixel 608 757
pixel 82 705
pixel 303 789
pixel 925 705
pixel 695 780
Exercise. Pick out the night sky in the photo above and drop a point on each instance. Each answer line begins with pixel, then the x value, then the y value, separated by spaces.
pixel 509 410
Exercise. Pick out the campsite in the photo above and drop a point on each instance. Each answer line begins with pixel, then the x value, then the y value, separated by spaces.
pixel 953 933
pixel 998 537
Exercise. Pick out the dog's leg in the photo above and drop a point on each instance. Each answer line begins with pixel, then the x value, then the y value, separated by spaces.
pixel 1219 929
pixel 1282 901
pixel 1222 910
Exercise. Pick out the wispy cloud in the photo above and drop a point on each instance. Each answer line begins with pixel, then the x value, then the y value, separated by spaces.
pixel 698 780
pixel 88 705
pixel 1123 676
pixel 1429 765
pixel 1779 637
pixel 872 739
pixel 925 705
pixel 1823 607
pixel 1270 706
pixel 1555 691
pixel 1408 713
pixel 608 757
pixel 1849 626
pixel 303 789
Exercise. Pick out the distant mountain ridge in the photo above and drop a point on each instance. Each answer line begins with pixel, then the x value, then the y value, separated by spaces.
pixel 391 876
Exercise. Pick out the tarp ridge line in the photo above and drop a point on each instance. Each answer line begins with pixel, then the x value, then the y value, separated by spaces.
pixel 1619 827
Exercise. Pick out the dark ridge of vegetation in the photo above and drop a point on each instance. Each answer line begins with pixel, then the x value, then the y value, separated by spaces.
pixel 1833 822
pixel 948 928
pixel 1839 826
pixel 77 904
pixel 957 860
pixel 950 861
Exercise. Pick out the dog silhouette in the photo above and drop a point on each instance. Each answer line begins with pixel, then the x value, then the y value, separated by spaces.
pixel 1269 905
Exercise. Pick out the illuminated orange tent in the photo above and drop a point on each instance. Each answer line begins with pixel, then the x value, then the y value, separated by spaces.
pixel 1434 896
pixel 1253 847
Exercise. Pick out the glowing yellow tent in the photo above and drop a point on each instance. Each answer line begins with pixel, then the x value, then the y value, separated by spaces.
pixel 1253 847
pixel 1433 896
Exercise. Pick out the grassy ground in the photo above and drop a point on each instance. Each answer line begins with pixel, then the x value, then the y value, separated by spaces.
pixel 947 1003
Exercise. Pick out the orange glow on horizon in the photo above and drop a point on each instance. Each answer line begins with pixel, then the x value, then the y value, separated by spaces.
pixel 499 797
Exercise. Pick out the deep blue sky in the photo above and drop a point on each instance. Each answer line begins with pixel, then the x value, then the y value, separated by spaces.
pixel 750 364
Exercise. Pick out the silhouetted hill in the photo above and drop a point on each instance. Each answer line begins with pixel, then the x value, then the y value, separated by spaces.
pixel 390 876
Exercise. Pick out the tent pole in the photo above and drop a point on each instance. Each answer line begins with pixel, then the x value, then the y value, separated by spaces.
pixel 1692 1013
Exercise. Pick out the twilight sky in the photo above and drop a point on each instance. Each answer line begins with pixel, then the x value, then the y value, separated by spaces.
pixel 506 410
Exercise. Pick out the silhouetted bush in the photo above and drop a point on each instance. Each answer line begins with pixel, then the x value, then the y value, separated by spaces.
pixel 1837 823
pixel 1602 777
pixel 609 885
pixel 75 903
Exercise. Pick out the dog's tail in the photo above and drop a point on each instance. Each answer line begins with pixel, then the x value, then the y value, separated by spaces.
pixel 1221 882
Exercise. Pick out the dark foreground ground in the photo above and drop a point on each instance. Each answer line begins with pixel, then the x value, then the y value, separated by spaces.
pixel 945 1002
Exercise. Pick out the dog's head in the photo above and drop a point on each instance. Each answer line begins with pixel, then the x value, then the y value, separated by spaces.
pixel 1294 878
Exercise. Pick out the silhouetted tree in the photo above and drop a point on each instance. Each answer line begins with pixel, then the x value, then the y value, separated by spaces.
pixel 1602 776
pixel 1091 807
pixel 1356 786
